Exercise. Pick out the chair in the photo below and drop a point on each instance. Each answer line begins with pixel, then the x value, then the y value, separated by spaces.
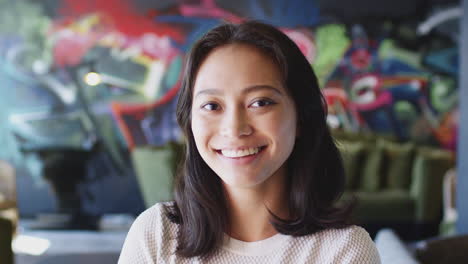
pixel 8 211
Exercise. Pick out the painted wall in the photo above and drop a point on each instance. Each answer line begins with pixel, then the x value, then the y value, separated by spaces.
pixel 462 169
pixel 102 76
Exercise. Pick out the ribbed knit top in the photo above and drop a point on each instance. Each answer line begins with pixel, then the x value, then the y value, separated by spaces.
pixel 152 239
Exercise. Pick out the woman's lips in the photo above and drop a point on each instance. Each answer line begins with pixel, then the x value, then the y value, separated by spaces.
pixel 244 159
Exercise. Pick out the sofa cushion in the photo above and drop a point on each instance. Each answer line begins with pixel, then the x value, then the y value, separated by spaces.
pixel 398 161
pixel 429 167
pixel 155 168
pixel 370 180
pixel 352 154
pixel 385 205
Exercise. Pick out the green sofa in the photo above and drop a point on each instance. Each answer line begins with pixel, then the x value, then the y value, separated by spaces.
pixel 397 185
pixel 155 168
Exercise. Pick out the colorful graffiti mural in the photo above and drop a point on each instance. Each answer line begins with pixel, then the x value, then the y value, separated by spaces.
pixel 370 84
pixel 382 88
pixel 138 56
pixel 106 73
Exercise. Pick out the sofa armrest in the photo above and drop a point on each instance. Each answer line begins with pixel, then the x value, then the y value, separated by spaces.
pixel 428 171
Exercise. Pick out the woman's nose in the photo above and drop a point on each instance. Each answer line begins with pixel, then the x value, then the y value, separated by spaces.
pixel 235 124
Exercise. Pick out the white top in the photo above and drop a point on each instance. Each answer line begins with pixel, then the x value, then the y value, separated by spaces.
pixel 152 239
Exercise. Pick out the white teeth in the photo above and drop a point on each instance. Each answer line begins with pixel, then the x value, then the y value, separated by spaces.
pixel 239 153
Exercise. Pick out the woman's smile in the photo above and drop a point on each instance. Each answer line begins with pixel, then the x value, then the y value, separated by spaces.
pixel 241 156
pixel 240 152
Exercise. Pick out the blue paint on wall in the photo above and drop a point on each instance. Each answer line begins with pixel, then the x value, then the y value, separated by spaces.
pixel 288 13
pixel 200 27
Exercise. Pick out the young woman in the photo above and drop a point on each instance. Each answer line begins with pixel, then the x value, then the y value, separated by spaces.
pixel 261 174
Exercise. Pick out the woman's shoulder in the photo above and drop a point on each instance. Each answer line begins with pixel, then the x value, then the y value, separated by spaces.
pixel 155 221
pixel 349 236
pixel 351 242
pixel 150 236
pixel 157 210
pixel 352 231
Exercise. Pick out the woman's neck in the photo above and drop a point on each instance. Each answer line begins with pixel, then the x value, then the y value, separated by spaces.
pixel 249 217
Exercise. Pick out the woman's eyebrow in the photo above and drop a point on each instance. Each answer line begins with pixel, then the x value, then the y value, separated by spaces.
pixel 209 91
pixel 250 89
pixel 255 88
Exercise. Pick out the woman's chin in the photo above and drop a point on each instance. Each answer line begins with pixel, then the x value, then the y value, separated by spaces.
pixel 244 182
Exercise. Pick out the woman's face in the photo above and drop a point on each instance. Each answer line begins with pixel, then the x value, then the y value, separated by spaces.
pixel 243 120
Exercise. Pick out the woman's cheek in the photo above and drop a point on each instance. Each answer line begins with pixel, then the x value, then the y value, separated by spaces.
pixel 201 128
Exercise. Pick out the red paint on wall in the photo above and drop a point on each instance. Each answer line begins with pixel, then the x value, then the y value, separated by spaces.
pixel 124 16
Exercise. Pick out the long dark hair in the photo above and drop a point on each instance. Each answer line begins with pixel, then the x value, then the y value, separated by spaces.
pixel 315 172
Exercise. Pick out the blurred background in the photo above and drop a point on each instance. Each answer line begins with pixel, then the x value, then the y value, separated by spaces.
pixel 88 136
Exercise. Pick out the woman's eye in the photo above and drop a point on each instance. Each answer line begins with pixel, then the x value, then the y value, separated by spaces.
pixel 262 103
pixel 210 106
